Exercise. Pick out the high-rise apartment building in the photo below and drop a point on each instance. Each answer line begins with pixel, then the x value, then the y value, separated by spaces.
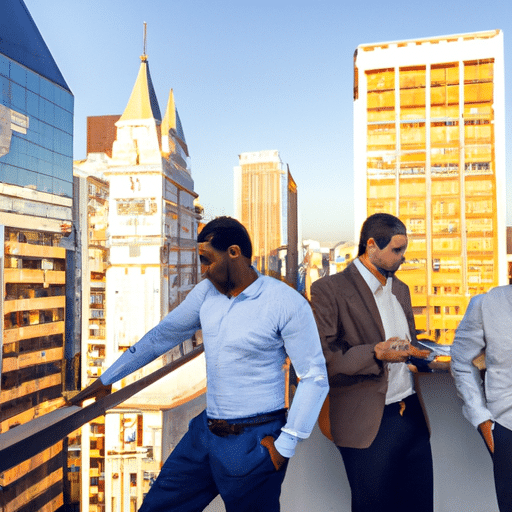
pixel 265 197
pixel 91 195
pixel 36 198
pixel 429 145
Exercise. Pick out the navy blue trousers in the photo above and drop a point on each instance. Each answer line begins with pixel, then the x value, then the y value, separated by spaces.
pixel 204 465
pixel 502 461
pixel 394 474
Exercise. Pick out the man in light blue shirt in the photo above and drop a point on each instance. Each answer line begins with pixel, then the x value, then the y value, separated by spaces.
pixel 239 446
pixel 486 330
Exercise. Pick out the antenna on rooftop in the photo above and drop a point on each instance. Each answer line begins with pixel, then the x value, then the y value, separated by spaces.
pixel 144 56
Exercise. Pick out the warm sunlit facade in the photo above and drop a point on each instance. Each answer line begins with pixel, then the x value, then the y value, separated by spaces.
pixel 266 203
pixel 429 147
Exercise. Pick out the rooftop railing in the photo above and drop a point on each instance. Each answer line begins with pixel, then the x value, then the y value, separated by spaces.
pixel 25 441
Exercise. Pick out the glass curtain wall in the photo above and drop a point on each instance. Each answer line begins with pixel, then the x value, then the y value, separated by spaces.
pixel 41 152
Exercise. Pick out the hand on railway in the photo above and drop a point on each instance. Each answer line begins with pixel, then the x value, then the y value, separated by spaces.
pixel 96 390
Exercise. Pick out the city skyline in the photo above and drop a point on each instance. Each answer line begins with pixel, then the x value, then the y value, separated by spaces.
pixel 249 77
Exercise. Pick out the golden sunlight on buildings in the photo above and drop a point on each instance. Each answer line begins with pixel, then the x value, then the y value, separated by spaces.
pixel 429 148
pixel 266 203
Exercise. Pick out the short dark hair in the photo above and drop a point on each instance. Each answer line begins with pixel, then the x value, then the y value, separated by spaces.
pixel 382 227
pixel 223 232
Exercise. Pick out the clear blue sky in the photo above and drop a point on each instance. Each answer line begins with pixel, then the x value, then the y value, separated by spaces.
pixel 251 75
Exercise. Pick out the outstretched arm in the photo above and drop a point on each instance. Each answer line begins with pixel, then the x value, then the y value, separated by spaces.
pixel 179 325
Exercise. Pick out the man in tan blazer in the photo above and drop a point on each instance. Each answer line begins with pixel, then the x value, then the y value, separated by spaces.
pixel 366 324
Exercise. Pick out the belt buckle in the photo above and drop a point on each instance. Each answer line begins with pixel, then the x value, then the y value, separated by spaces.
pixel 222 428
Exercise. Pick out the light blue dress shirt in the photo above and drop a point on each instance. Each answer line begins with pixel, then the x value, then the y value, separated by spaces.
pixel 246 340
pixel 485 328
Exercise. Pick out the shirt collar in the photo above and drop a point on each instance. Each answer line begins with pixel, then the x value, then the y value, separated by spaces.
pixel 380 274
pixel 253 289
pixel 373 282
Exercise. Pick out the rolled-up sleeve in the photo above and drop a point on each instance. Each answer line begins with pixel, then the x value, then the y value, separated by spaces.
pixel 469 343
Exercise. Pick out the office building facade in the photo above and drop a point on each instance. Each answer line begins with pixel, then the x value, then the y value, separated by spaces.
pixel 36 198
pixel 429 142
pixel 265 198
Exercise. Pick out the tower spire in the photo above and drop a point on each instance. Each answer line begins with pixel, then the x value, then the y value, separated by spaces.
pixel 142 103
pixel 171 121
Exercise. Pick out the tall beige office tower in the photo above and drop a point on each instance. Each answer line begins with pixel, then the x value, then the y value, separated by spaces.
pixel 429 147
pixel 266 203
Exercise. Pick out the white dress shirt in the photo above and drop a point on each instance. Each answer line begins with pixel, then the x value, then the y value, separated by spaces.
pixel 400 381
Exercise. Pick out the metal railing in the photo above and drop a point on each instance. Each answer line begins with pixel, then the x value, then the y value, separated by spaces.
pixel 27 440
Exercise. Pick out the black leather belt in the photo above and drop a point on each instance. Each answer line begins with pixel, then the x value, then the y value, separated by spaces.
pixel 224 428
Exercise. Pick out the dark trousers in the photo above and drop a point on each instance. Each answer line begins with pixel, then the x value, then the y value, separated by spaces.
pixel 502 461
pixel 204 465
pixel 395 473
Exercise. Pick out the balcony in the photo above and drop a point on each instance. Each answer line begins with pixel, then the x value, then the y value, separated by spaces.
pixel 462 467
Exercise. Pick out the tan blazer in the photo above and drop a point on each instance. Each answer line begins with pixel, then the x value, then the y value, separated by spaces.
pixel 350 326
